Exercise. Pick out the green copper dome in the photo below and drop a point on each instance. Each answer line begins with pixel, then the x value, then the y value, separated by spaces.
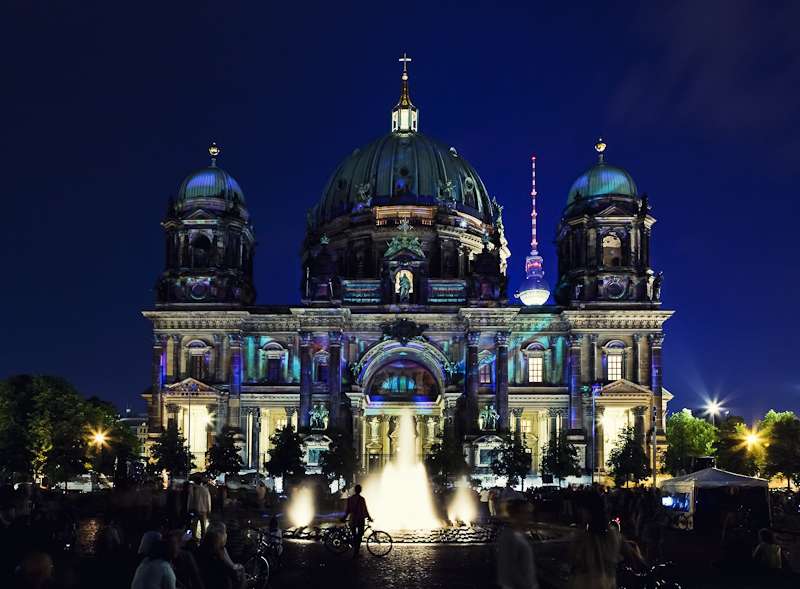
pixel 403 168
pixel 601 179
pixel 210 182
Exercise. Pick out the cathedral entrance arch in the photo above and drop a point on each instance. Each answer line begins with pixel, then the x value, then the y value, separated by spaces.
pixel 428 358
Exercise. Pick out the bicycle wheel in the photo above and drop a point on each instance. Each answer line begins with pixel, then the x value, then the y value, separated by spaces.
pixel 379 543
pixel 256 572
pixel 337 542
pixel 490 550
pixel 681 521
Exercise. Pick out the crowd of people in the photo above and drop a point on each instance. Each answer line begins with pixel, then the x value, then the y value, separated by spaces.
pixel 185 535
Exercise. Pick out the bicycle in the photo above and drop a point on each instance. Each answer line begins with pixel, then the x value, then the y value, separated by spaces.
pixel 379 543
pixel 673 520
pixel 649 579
pixel 257 568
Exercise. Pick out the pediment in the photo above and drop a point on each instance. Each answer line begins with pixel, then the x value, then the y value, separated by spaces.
pixel 623 387
pixel 404 246
pixel 200 215
pixel 190 385
pixel 613 211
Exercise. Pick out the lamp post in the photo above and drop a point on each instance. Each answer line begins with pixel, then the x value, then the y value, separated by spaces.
pixel 99 438
pixel 713 408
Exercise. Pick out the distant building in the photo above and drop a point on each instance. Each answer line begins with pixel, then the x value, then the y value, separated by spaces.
pixel 405 310
pixel 137 422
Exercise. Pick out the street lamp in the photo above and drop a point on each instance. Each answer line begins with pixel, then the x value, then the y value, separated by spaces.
pixel 713 408
pixel 99 438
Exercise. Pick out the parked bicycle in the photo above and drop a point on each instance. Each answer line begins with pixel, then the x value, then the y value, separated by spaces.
pixel 339 540
pixel 258 567
pixel 652 578
pixel 673 520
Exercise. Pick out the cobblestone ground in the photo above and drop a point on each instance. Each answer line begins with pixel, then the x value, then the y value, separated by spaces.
pixel 309 564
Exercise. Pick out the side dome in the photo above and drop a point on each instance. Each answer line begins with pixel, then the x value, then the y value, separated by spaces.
pixel 602 178
pixel 211 182
pixel 404 169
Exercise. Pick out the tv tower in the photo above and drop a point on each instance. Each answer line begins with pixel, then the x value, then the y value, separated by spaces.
pixel 534 290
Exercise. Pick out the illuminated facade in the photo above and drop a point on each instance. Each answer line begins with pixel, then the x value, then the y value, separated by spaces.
pixel 405 310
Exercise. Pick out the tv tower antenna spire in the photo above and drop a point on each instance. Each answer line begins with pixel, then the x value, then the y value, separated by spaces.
pixel 534 290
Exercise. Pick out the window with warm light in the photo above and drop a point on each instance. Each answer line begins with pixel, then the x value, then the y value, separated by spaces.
pixel 486 374
pixel 535 369
pixel 614 366
pixel 525 426
pixel 280 424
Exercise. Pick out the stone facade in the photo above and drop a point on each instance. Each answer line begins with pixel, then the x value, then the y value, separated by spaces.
pixel 404 310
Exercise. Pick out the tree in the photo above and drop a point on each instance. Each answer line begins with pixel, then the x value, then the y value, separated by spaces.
pixel 16 445
pixel 223 456
pixel 783 451
pixel 731 447
pixel 687 437
pixel 339 461
pixel 446 460
pixel 512 461
pixel 560 457
pixel 286 455
pixel 117 438
pixel 628 460
pixel 170 453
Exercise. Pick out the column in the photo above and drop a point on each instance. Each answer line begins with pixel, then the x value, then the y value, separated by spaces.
pixel 591 464
pixel 592 358
pixel 517 411
pixel 639 423
pixel 519 363
pixel 154 407
pixel 253 372
pixel 288 374
pixel 172 413
pixel 235 380
pixel 358 436
pixel 554 378
pixel 289 412
pixel 599 437
pixel 637 379
pixel 176 357
pixel 217 357
pixel 574 382
pixel 656 340
pixel 553 423
pixel 335 378
pixel 646 246
pixel 306 340
pixel 473 378
pixel 501 377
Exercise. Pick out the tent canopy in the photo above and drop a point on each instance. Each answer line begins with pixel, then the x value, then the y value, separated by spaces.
pixel 711 478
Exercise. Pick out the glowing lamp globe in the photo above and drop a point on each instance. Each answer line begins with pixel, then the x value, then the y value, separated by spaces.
pixel 534 290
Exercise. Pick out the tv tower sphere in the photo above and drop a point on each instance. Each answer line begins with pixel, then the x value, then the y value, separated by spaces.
pixel 534 290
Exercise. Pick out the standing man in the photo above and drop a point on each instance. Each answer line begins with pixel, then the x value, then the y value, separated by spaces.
pixel 202 505
pixel 515 569
pixel 357 510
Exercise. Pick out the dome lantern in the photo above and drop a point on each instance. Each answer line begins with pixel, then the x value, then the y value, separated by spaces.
pixel 405 115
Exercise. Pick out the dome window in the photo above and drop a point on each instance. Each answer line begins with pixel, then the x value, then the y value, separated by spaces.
pixel 612 250
pixel 201 252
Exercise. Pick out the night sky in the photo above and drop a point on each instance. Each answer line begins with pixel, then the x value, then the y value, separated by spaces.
pixel 107 108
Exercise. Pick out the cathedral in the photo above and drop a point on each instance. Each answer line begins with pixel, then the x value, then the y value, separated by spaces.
pixel 404 309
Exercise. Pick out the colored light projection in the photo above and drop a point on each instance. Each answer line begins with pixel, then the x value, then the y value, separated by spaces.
pixel 403 379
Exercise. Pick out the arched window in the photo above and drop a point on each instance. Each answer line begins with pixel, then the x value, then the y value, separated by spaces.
pixel 612 250
pixel 535 358
pixel 201 252
pixel 485 367
pixel 615 361
pixel 321 370
pixel 199 357
pixel 274 359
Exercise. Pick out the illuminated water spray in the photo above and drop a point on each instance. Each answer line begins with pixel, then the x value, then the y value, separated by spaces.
pixel 401 499
pixel 463 507
pixel 301 511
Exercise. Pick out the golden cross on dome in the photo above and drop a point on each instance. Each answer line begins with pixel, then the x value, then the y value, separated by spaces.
pixel 405 59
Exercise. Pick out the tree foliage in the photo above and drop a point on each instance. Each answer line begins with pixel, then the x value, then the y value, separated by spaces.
pixel 687 437
pixel 731 449
pixel 170 453
pixel 339 461
pixel 16 444
pixel 223 456
pixel 120 441
pixel 513 460
pixel 286 455
pixel 560 457
pixel 446 460
pixel 628 460
pixel 782 454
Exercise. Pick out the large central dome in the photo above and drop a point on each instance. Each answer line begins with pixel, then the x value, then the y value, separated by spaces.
pixel 404 168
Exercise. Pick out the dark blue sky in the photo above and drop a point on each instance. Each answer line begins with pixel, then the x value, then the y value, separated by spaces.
pixel 106 109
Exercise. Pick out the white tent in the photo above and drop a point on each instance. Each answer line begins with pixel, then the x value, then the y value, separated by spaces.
pixel 679 494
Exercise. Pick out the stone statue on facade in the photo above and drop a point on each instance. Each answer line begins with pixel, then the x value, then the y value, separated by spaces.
pixel 489 418
pixel 405 288
pixel 657 286
pixel 318 416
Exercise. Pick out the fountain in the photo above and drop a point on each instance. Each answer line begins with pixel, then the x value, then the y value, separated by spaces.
pixel 463 507
pixel 401 498
pixel 301 511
